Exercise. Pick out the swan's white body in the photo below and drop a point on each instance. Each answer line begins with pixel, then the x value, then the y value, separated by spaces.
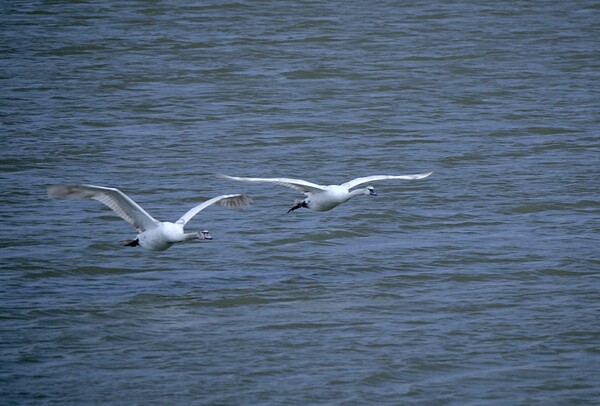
pixel 153 234
pixel 324 198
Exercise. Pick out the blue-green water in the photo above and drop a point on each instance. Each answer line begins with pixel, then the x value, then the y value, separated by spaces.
pixel 478 285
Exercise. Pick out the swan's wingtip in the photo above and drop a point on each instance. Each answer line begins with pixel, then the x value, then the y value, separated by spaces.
pixel 423 175
pixel 245 200
pixel 76 191
pixel 58 191
pixel 52 191
pixel 236 202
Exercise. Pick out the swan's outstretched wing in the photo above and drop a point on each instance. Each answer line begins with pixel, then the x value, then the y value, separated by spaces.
pixel 229 201
pixel 298 184
pixel 126 208
pixel 366 179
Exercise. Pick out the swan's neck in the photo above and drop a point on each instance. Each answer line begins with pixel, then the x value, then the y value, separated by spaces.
pixel 355 192
pixel 192 236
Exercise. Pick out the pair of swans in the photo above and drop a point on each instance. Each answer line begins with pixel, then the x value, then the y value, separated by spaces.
pixel 159 235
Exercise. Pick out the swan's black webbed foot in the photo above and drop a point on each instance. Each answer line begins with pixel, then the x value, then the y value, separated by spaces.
pixel 297 206
pixel 131 243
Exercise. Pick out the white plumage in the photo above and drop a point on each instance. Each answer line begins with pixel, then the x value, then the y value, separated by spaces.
pixel 323 198
pixel 153 234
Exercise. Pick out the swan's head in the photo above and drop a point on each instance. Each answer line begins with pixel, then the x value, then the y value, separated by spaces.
pixel 370 190
pixel 204 235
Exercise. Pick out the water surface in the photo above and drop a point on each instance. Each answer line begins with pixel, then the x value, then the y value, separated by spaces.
pixel 477 285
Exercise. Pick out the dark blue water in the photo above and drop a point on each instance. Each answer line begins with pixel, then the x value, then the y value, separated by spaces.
pixel 478 285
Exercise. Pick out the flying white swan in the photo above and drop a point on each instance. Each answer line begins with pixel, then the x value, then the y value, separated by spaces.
pixel 323 198
pixel 153 234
